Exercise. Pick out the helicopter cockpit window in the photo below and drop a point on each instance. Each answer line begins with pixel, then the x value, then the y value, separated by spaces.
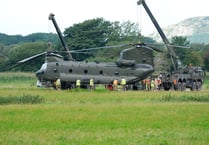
pixel 44 66
pixel 85 71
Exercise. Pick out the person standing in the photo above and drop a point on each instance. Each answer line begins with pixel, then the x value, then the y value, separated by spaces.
pixel 152 85
pixel 91 83
pixel 78 83
pixel 58 84
pixel 156 84
pixel 123 84
pixel 115 85
pixel 148 84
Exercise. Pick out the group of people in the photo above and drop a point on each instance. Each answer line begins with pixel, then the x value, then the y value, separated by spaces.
pixel 148 84
pixel 152 84
pixel 122 83
pixel 91 83
pixel 57 84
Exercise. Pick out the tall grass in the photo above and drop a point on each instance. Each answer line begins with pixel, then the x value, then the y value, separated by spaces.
pixel 17 79
pixel 186 98
pixel 24 99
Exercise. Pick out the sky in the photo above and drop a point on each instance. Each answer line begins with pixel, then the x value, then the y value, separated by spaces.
pixel 31 16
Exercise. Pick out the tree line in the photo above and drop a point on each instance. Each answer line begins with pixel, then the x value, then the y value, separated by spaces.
pixel 90 34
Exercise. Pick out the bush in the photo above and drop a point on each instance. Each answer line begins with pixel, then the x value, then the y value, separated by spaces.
pixel 185 98
pixel 25 99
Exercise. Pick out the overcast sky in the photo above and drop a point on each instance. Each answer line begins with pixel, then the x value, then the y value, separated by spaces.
pixel 31 16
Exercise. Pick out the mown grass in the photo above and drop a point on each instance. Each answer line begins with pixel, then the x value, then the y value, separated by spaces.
pixel 103 117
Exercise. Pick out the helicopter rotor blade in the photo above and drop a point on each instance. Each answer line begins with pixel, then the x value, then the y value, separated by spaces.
pixel 96 48
pixel 156 49
pixel 148 46
pixel 31 58
pixel 179 46
pixel 171 45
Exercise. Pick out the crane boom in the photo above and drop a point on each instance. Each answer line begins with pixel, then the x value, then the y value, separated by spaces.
pixel 51 17
pixel 177 63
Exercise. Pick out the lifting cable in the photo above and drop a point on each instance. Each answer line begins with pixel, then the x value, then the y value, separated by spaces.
pixel 139 18
pixel 49 39
pixel 139 23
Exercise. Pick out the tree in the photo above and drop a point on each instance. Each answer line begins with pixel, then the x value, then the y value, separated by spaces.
pixel 99 32
pixel 24 50
pixel 194 58
pixel 90 33
pixel 128 31
pixel 2 57
pixel 206 60
pixel 180 41
pixel 35 37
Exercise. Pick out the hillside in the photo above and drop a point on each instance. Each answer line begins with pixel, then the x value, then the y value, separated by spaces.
pixel 196 29
pixel 14 39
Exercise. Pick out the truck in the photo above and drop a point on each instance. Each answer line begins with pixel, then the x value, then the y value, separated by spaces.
pixel 181 77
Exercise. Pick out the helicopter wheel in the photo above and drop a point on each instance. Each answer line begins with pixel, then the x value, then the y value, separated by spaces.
pixel 183 86
pixel 194 86
pixel 166 86
pixel 199 84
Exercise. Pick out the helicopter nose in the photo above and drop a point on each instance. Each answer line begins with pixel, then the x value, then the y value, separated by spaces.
pixel 39 73
pixel 150 69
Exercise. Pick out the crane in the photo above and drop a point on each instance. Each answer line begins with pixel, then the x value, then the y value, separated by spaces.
pixel 175 59
pixel 51 17
pixel 186 77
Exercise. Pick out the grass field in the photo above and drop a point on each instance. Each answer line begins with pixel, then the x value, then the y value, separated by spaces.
pixel 40 116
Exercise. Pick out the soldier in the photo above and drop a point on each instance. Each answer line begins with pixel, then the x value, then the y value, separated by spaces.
pixel 159 82
pixel 174 84
pixel 123 84
pixel 152 85
pixel 58 84
pixel 115 84
pixel 156 84
pixel 91 83
pixel 78 83
pixel 148 84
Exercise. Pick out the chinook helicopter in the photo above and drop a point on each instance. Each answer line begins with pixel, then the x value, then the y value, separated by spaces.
pixel 134 64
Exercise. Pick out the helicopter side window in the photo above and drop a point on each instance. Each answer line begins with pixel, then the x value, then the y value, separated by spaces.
pixel 85 71
pixel 116 73
pixel 101 72
pixel 70 70
pixel 144 60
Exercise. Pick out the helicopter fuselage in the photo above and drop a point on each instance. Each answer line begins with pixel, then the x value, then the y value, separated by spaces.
pixel 102 73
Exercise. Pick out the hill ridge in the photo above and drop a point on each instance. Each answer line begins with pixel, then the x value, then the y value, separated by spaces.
pixel 196 29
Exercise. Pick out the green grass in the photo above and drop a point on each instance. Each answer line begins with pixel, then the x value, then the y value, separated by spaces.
pixel 17 79
pixel 103 117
